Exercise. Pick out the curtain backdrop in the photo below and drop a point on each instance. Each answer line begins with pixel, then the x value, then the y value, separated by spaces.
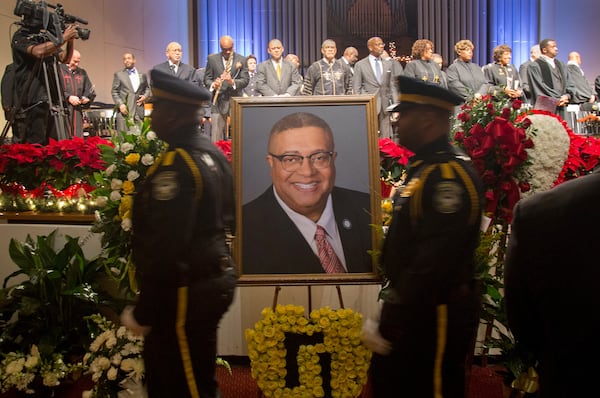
pixel 302 24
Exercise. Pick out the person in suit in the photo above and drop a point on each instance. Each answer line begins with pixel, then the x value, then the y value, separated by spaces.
pixel 328 76
pixel 250 90
pixel 502 76
pixel 549 77
pixel 350 57
pixel 276 76
pixel 439 60
pixel 174 65
pixel 465 78
pixel 79 92
pixel 534 53
pixel 422 65
pixel 580 89
pixel 182 214
pixel 551 275
pixel 226 76
pixel 206 126
pixel 130 90
pixel 374 75
pixel 431 305
pixel 280 226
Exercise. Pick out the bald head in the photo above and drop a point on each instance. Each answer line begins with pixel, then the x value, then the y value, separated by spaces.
pixel 174 52
pixel 226 44
pixel 75 60
pixel 574 56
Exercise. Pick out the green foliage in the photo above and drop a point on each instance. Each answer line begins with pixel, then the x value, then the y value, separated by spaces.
pixel 47 308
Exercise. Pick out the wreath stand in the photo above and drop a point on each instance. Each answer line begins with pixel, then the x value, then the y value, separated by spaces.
pixel 309 287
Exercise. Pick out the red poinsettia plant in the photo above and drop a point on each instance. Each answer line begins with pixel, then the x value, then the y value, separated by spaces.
pixel 491 132
pixel 58 166
pixel 392 165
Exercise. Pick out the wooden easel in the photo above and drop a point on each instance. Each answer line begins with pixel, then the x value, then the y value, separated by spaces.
pixel 278 289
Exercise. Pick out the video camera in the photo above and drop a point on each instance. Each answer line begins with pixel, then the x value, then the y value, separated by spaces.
pixel 37 16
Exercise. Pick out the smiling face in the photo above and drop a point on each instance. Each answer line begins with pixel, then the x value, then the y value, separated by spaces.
pixel 306 189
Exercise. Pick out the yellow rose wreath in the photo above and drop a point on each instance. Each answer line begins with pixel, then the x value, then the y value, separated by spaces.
pixel 295 356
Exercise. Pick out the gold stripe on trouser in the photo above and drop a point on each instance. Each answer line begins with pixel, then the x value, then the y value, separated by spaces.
pixel 184 348
pixel 442 330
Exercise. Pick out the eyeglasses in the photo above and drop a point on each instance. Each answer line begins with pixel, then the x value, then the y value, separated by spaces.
pixel 318 160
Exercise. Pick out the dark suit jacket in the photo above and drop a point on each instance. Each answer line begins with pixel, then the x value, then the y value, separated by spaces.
pixel 184 71
pixel 365 82
pixel 122 93
pixel 214 69
pixel 272 244
pixel 541 83
pixel 579 88
pixel 551 279
pixel 268 84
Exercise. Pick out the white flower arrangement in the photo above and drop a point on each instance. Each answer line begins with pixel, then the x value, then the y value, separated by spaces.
pixel 20 370
pixel 114 359
pixel 550 150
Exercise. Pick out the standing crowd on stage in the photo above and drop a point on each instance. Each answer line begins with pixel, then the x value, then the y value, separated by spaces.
pixel 542 81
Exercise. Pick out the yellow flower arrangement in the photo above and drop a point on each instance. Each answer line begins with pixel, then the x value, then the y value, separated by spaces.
pixel 295 356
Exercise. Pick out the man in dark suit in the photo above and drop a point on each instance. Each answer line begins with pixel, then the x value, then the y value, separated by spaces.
pixel 225 76
pixel 280 227
pixel 548 77
pixel 174 65
pixel 580 88
pixel 276 76
pixel 130 90
pixel 551 276
pixel 374 75
pixel 534 53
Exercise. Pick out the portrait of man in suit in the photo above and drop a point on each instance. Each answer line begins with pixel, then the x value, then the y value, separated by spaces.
pixel 303 223
pixel 130 90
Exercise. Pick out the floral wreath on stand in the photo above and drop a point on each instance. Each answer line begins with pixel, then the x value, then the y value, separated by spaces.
pixel 516 153
pixel 295 356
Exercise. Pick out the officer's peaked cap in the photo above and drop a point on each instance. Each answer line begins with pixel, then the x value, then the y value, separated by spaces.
pixel 166 86
pixel 415 91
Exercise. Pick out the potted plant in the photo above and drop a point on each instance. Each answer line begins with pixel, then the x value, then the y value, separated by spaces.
pixel 44 333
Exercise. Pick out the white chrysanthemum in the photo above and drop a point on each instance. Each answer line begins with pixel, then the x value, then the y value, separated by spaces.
pixel 110 169
pixel 147 159
pixel 112 373
pixel 15 367
pixel 151 136
pixel 87 394
pixel 132 175
pixel 550 150
pixel 116 184
pixel 127 147
pixel 101 201
pixel 116 359
pixel 121 332
pixel 51 379
pixel 135 130
pixel 126 224
pixel 115 196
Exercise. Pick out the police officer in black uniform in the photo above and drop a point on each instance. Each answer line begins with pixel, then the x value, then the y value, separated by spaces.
pixel 430 311
pixel 183 216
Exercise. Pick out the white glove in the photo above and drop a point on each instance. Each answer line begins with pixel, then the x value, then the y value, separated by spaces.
pixel 129 321
pixel 371 337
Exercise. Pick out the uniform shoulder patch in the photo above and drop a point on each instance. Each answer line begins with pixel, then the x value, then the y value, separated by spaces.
pixel 165 185
pixel 448 197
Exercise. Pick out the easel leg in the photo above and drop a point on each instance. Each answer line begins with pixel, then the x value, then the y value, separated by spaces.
pixel 275 296
pixel 339 292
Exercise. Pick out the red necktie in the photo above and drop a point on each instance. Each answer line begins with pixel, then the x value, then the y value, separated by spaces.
pixel 329 260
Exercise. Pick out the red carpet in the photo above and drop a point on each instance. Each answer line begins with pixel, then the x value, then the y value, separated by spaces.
pixel 484 383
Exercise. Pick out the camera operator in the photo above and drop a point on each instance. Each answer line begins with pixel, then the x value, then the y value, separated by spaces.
pixel 30 48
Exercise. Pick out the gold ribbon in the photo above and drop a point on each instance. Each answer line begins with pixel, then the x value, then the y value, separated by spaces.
pixel 527 382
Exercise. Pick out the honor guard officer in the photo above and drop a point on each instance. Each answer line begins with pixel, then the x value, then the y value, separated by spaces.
pixel 182 217
pixel 430 311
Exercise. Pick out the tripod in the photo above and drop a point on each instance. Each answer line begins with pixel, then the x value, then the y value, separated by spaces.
pixel 54 92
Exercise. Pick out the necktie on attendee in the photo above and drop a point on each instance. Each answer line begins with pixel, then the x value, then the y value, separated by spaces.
pixel 173 71
pixel 279 71
pixel 378 70
pixel 228 65
pixel 329 260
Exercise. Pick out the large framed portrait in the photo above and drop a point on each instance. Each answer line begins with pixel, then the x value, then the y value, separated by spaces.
pixel 308 194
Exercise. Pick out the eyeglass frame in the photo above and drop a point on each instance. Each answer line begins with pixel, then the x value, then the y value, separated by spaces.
pixel 331 154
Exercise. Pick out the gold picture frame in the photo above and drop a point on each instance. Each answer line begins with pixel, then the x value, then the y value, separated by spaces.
pixel 353 120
